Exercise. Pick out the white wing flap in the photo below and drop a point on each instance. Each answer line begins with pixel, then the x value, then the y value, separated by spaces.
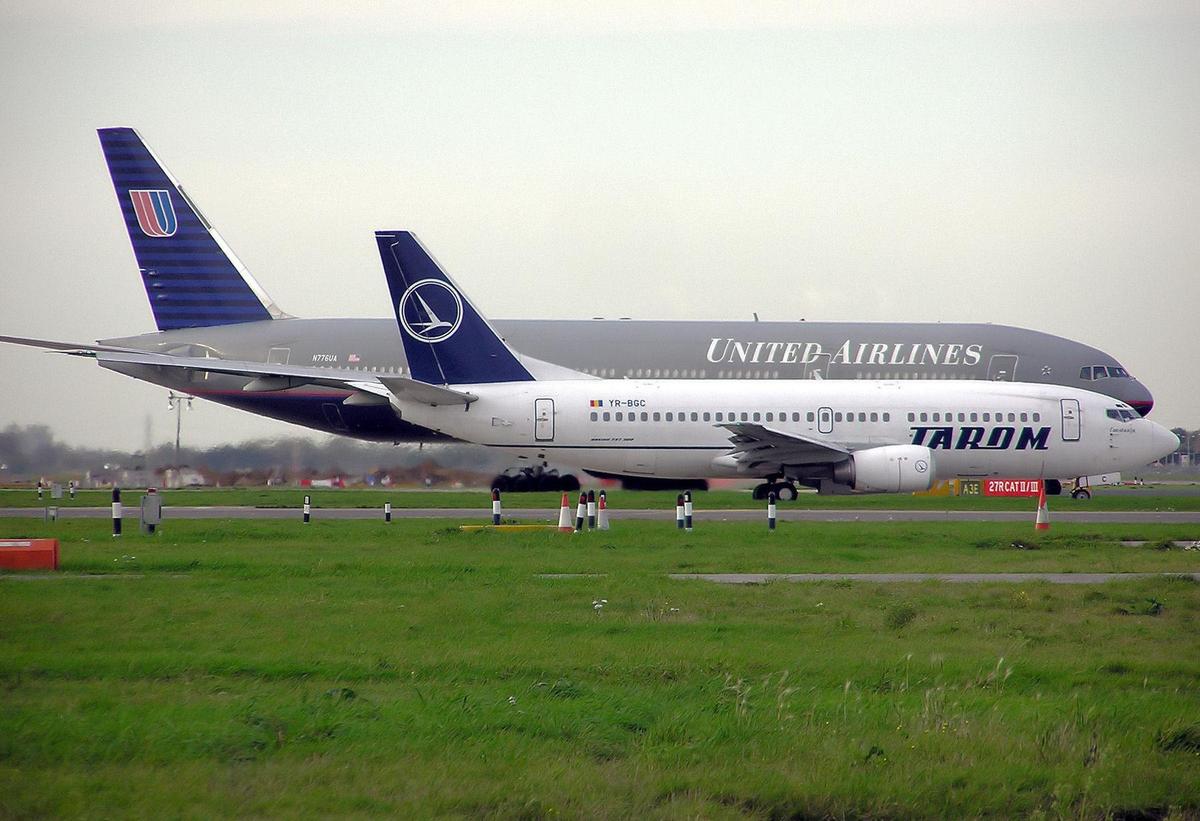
pixel 757 445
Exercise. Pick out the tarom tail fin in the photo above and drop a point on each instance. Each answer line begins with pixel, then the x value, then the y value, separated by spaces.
pixel 191 277
pixel 446 341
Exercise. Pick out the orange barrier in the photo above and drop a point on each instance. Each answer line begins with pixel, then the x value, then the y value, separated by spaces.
pixel 29 554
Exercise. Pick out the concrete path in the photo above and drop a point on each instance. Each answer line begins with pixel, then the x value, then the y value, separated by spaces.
pixel 953 578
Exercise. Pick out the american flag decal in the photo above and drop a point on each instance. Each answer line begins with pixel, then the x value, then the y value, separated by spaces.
pixel 155 213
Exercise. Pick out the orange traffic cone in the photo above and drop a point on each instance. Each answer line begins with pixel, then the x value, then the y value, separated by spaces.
pixel 564 517
pixel 1043 516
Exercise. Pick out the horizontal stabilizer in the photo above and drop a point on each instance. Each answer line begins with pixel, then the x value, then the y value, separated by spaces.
pixel 265 376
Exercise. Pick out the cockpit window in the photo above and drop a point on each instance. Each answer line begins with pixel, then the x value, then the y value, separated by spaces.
pixel 1120 414
pixel 1091 372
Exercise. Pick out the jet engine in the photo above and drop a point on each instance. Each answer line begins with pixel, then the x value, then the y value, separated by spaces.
pixel 887 469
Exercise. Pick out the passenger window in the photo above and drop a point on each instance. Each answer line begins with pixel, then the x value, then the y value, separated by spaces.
pixel 810 416
pixel 757 416
pixel 887 417
pixel 770 416
pixel 837 417
pixel 1037 417
pixel 745 416
pixel 862 417
pixel 657 416
pixel 1012 417
pixel 912 417
pixel 695 416
pixel 924 417
pixel 670 416
pixel 720 416
pixel 874 417
pixel 962 417
pixel 593 416
pixel 1024 417
pixel 937 417
pixel 706 419
pixel 645 416
pixel 607 416
pixel 620 416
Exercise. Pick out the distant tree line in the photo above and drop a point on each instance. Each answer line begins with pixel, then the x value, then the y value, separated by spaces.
pixel 30 451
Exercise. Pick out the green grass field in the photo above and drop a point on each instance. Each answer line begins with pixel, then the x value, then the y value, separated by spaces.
pixel 1111 500
pixel 355 668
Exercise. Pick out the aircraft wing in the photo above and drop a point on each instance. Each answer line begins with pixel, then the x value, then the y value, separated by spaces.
pixel 755 445
pixel 266 376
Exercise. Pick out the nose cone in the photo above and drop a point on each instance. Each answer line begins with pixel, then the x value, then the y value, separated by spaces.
pixel 1137 396
pixel 1164 442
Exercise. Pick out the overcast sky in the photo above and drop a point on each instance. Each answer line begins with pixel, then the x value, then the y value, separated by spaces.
pixel 1034 164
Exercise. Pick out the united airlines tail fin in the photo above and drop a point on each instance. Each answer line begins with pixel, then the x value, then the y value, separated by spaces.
pixel 446 341
pixel 191 276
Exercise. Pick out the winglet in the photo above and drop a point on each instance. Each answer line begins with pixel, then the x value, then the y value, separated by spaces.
pixel 446 340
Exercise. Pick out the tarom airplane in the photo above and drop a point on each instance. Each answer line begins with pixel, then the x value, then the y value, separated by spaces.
pixel 872 435
pixel 208 306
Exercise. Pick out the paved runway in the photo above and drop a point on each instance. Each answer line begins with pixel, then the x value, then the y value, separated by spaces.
pixel 785 515
pixel 953 578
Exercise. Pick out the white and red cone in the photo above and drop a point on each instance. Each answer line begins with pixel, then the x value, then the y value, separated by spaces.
pixel 1043 515
pixel 564 516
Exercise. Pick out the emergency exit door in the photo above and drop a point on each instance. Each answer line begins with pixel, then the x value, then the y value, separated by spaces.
pixel 543 420
pixel 1002 368
pixel 1070 420
pixel 825 420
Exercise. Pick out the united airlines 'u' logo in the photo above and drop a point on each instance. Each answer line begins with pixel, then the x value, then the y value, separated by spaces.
pixel 155 213
pixel 430 310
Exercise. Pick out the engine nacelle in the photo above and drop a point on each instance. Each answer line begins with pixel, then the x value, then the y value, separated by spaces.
pixel 888 469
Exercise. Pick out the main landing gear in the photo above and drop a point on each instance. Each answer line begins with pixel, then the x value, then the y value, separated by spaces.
pixel 784 491
pixel 529 480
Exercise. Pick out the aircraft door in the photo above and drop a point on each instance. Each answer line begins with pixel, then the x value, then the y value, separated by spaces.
pixel 825 420
pixel 1002 368
pixel 543 420
pixel 819 367
pixel 1070 420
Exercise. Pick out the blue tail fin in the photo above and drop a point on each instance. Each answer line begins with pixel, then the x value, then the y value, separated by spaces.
pixel 446 340
pixel 191 277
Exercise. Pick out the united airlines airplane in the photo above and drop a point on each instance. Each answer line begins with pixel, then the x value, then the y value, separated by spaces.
pixel 208 307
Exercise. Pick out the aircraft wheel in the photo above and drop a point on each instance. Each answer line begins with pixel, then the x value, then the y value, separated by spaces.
pixel 1081 493
pixel 502 483
pixel 760 491
pixel 569 482
pixel 785 493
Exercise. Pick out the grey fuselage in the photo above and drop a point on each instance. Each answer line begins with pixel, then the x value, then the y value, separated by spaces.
pixel 618 349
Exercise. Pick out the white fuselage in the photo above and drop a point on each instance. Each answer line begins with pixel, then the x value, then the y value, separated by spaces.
pixel 673 429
